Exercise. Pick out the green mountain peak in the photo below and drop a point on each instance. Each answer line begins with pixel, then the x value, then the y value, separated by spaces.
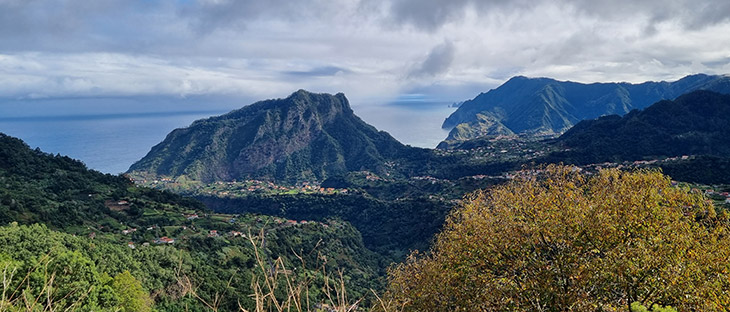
pixel 304 137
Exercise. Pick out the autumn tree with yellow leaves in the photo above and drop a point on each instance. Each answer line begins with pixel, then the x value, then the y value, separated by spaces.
pixel 563 240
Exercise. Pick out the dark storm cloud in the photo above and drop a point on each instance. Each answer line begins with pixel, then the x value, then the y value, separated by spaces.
pixel 437 62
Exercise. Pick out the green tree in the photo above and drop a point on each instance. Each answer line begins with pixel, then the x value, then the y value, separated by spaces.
pixel 131 295
pixel 565 241
pixel 637 307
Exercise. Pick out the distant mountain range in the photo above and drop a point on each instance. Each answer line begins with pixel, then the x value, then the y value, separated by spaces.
pixel 697 123
pixel 305 136
pixel 547 106
pixel 315 137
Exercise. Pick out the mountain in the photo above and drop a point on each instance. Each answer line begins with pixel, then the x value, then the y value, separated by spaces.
pixel 547 106
pixel 694 124
pixel 303 137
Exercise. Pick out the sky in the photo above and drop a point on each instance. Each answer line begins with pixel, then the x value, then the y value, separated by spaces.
pixel 374 51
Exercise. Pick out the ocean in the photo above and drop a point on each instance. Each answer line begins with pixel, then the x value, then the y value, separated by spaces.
pixel 111 141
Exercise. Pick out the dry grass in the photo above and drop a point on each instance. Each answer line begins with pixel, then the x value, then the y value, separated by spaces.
pixel 21 297
pixel 276 288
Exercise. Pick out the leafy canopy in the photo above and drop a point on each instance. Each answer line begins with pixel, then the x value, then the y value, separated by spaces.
pixel 562 240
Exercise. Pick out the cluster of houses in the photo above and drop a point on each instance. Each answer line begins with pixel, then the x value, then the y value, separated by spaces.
pixel 483 176
pixel 313 187
pixel 164 240
pixel 283 222
pixel 133 246
pixel 240 188
pixel 371 177
pixel 710 192
pixel 654 161
pixel 227 189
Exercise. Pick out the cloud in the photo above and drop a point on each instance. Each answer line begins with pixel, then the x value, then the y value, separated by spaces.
pixel 437 62
pixel 370 49
pixel 431 15
pixel 322 71
pixel 206 16
pixel 428 14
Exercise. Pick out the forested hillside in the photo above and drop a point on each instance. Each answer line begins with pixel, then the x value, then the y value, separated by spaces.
pixel 97 242
pixel 693 124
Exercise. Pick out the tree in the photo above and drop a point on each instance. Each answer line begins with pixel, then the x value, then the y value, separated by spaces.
pixel 563 240
pixel 130 293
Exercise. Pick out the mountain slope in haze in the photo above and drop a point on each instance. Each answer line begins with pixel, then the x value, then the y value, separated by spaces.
pixel 305 136
pixel 546 106
pixel 697 123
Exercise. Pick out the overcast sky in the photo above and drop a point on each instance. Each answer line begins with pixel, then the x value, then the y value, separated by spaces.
pixel 373 50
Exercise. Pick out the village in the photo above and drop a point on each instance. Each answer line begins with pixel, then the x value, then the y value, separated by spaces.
pixel 181 227
pixel 235 189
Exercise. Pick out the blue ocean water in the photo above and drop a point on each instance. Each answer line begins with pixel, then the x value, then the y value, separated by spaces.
pixel 415 124
pixel 108 143
pixel 111 141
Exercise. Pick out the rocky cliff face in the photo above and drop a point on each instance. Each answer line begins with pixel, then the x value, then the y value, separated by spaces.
pixel 305 136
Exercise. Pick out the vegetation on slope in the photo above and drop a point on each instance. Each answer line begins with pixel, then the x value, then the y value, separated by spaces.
pixel 95 227
pixel 694 124
pixel 36 187
pixel 390 228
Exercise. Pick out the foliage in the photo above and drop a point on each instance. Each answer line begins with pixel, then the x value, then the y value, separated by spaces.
pixel 390 228
pixel 276 287
pixel 700 169
pixel 68 271
pixel 693 124
pixel 77 270
pixel 637 307
pixel 566 241
pixel 130 293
